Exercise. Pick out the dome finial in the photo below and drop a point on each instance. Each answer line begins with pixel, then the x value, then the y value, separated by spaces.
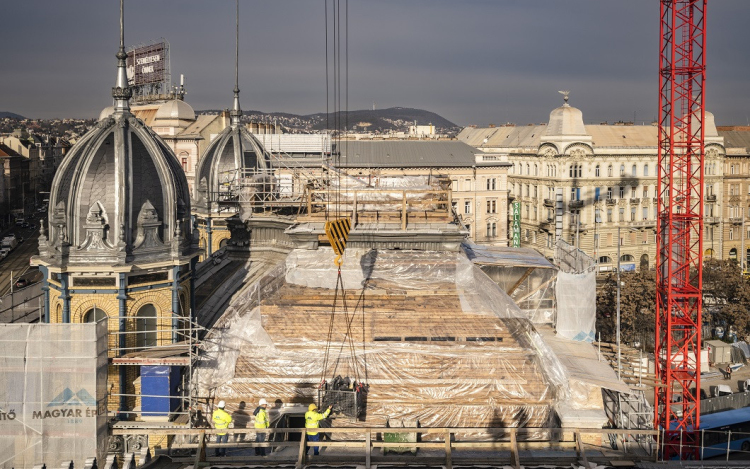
pixel 121 91
pixel 565 94
pixel 236 112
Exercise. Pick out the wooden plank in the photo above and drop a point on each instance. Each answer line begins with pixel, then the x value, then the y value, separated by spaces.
pixel 368 450
pixel 580 449
pixel 302 450
pixel 448 458
pixel 520 281
pixel 514 458
pixel 200 455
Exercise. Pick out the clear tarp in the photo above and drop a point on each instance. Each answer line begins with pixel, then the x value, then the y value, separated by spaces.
pixel 434 338
pixel 576 293
pixel 524 274
pixel 53 401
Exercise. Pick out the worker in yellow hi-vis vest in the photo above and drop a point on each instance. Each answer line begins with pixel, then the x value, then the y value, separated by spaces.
pixel 312 423
pixel 221 419
pixel 261 421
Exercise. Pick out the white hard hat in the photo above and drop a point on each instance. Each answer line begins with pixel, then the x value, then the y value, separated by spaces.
pixel 221 404
pixel 263 402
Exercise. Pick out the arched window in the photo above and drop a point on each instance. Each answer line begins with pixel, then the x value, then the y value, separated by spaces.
pixel 733 254
pixel 627 258
pixel 146 327
pixel 644 262
pixel 645 172
pixel 605 260
pixel 596 171
pixel 527 169
pixel 609 171
pixel 708 253
pixel 634 171
pixel 622 170
pixel 94 315
pixel 535 170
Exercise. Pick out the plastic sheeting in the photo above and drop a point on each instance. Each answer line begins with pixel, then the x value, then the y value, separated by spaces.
pixel 438 341
pixel 576 294
pixel 524 274
pixel 53 395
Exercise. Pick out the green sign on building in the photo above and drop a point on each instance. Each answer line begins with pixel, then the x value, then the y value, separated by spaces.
pixel 515 226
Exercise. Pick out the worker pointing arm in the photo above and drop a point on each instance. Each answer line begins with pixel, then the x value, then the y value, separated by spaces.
pixel 312 423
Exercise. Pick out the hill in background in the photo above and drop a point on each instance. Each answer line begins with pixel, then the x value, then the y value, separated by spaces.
pixel 10 115
pixel 395 119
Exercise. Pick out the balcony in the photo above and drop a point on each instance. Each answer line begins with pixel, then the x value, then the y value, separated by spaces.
pixel 582 227
pixel 511 197
pixel 611 201
pixel 643 224
pixel 711 220
pixel 549 203
pixel 575 204
pixel 547 225
pixel 656 199
pixel 635 200
pixel 711 198
pixel 735 220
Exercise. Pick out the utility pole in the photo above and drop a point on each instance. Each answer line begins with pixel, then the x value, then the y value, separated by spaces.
pixel 619 363
pixel 743 254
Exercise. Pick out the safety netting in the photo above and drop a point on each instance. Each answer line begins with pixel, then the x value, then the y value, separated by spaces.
pixel 53 405
pixel 434 339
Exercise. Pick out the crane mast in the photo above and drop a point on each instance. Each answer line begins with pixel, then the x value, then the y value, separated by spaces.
pixel 679 231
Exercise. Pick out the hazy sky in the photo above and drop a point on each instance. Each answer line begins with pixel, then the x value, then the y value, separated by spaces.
pixel 472 61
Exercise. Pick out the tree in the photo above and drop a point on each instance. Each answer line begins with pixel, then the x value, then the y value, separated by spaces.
pixel 637 306
pixel 726 296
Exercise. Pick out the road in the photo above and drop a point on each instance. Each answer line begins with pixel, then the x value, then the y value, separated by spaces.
pixel 18 259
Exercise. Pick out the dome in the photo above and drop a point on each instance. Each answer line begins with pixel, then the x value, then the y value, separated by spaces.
pixel 565 120
pixel 175 109
pixel 119 196
pixel 234 150
pixel 106 112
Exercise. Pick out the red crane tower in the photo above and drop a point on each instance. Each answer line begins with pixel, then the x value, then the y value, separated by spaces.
pixel 679 232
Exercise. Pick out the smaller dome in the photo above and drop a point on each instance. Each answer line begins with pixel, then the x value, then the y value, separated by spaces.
pixel 175 109
pixel 565 120
pixel 106 112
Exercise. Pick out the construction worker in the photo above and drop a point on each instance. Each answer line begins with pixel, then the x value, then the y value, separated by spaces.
pixel 221 419
pixel 312 422
pixel 261 421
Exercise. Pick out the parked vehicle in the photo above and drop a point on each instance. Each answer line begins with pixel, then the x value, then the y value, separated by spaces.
pixel 9 242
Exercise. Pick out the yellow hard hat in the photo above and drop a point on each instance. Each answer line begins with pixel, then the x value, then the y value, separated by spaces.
pixel 312 407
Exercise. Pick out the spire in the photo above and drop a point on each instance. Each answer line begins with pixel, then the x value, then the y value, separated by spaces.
pixel 121 91
pixel 236 112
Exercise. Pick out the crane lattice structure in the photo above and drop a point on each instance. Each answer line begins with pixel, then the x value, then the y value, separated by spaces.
pixel 679 266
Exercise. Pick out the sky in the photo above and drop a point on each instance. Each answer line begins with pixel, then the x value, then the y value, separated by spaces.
pixel 471 61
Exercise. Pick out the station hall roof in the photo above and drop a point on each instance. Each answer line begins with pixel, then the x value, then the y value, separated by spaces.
pixel 409 154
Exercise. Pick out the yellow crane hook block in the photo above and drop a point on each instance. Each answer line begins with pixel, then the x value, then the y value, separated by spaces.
pixel 337 232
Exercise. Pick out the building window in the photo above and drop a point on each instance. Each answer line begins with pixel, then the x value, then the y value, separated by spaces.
pixel 596 171
pixel 467 207
pixel 609 171
pixel 645 192
pixel 454 185
pixel 632 213
pixel 535 191
pixel 527 216
pixel 645 213
pixel 575 171
pixel 467 184
pixel 605 260
pixel 535 213
pixel 609 193
pixel 622 192
pixel 622 213
pixel 731 237
pixel 609 215
pixel 527 190
pixel 645 170
pixel 527 169
pixel 622 170
pixel 491 184
pixel 597 216
pixel 185 164
pixel 536 172
pixel 634 171
pixel 146 327
pixel 491 206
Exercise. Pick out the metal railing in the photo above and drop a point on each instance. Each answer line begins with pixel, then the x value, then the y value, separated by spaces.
pixel 444 446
